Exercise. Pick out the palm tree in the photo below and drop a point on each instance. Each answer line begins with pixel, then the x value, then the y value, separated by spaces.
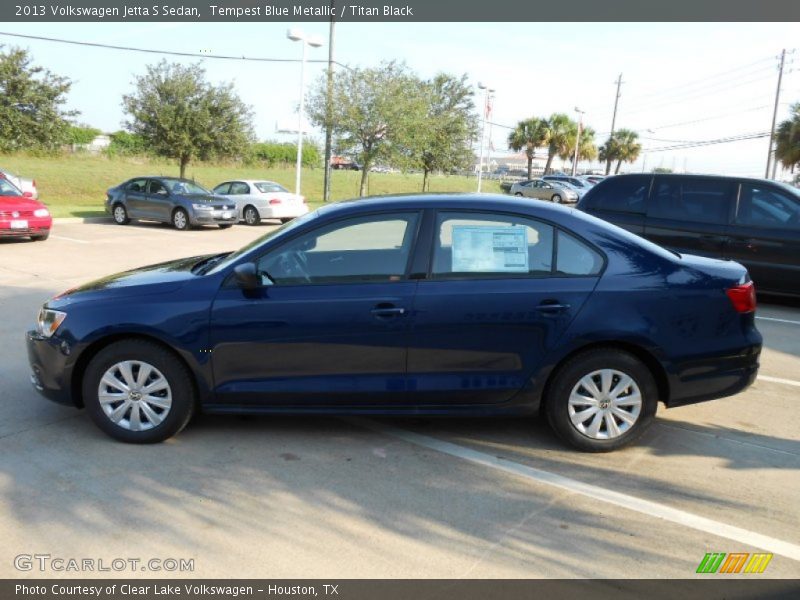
pixel 621 147
pixel 559 129
pixel 528 135
pixel 787 140
pixel 587 150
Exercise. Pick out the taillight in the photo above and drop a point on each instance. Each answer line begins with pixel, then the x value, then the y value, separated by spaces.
pixel 743 297
pixel 274 201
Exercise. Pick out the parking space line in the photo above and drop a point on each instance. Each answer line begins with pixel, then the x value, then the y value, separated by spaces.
pixel 69 239
pixel 646 507
pixel 779 380
pixel 779 320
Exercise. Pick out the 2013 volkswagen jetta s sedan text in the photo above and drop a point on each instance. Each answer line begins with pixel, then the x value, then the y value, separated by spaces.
pixel 415 305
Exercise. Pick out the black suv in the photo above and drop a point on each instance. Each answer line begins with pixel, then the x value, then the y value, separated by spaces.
pixel 752 221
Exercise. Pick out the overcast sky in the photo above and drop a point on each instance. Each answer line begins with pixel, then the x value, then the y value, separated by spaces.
pixel 720 77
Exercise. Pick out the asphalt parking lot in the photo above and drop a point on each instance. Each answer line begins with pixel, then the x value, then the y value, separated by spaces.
pixel 351 498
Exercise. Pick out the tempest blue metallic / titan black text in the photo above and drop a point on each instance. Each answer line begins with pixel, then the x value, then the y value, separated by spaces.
pixel 412 305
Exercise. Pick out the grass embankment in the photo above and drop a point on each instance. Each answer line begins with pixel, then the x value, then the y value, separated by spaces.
pixel 75 185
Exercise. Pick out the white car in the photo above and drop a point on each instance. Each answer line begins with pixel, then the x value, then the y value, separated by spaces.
pixel 258 199
pixel 26 186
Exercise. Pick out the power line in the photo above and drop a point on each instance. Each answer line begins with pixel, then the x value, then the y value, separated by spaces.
pixel 698 144
pixel 167 52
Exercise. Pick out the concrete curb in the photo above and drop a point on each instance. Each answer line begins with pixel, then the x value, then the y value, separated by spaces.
pixel 81 219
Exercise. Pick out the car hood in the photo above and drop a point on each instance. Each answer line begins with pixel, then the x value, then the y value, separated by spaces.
pixel 153 279
pixel 8 203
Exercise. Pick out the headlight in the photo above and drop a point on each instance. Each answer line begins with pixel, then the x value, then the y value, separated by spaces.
pixel 41 212
pixel 48 321
pixel 202 207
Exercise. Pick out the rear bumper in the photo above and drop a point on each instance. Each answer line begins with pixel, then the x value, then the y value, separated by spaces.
pixel 714 377
pixel 50 370
pixel 287 211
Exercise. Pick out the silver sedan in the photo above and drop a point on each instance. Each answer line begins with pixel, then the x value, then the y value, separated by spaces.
pixel 544 190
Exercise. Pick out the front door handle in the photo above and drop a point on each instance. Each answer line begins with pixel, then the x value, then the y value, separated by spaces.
pixel 552 307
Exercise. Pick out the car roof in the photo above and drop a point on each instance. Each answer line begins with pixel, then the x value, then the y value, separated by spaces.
pixel 251 181
pixel 695 176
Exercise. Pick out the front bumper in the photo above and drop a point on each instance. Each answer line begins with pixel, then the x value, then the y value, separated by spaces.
pixel 714 377
pixel 213 217
pixel 50 367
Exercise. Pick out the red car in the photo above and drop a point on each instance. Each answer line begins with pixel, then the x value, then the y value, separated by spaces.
pixel 21 216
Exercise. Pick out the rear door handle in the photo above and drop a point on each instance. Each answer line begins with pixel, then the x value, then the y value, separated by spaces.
pixel 382 311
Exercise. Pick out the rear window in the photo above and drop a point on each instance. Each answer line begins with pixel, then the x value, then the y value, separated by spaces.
pixel 620 194
pixel 768 206
pixel 267 187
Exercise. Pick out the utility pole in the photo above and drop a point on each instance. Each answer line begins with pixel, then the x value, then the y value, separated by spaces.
pixel 326 186
pixel 577 141
pixel 774 118
pixel 613 121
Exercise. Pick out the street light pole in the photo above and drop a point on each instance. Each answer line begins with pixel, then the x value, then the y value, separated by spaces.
pixel 487 90
pixel 298 36
pixel 577 141
pixel 326 186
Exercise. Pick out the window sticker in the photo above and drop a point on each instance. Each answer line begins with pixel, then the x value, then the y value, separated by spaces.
pixel 490 249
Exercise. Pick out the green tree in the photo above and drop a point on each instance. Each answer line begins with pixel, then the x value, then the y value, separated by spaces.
pixel 442 143
pixel 81 134
pixel 182 116
pixel 587 150
pixel 560 128
pixel 31 104
pixel 623 146
pixel 787 140
pixel 376 113
pixel 529 135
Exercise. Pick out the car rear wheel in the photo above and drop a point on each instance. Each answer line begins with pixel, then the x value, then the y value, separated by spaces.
pixel 556 198
pixel 225 225
pixel 251 215
pixel 120 215
pixel 287 220
pixel 138 392
pixel 518 194
pixel 602 400
pixel 41 237
pixel 180 219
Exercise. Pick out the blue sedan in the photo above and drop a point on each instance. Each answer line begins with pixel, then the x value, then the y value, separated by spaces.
pixel 413 305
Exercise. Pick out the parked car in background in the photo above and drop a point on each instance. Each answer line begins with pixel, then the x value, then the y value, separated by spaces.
pixel 753 221
pixel 180 202
pixel 257 199
pixel 480 305
pixel 22 216
pixel 593 179
pixel 341 162
pixel 26 186
pixel 578 184
pixel 544 190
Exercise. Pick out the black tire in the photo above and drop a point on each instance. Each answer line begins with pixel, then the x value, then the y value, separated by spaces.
pixel 180 220
pixel 120 214
pixel 251 215
pixel 173 370
pixel 556 198
pixel 519 194
pixel 225 225
pixel 287 220
pixel 568 377
pixel 41 237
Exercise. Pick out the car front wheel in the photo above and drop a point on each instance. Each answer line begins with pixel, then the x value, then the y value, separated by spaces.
pixel 120 215
pixel 601 400
pixel 556 198
pixel 138 392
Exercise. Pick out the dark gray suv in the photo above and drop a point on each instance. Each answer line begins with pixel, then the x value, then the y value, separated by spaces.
pixel 755 222
pixel 180 202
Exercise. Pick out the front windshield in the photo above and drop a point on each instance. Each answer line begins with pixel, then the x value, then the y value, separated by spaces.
pixel 178 186
pixel 268 187
pixel 7 189
pixel 279 231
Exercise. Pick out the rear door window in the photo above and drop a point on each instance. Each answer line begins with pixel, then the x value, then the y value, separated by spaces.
pixel 621 194
pixel 239 188
pixel 694 200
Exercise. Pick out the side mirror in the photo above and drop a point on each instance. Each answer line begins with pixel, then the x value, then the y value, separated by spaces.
pixel 28 194
pixel 246 276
